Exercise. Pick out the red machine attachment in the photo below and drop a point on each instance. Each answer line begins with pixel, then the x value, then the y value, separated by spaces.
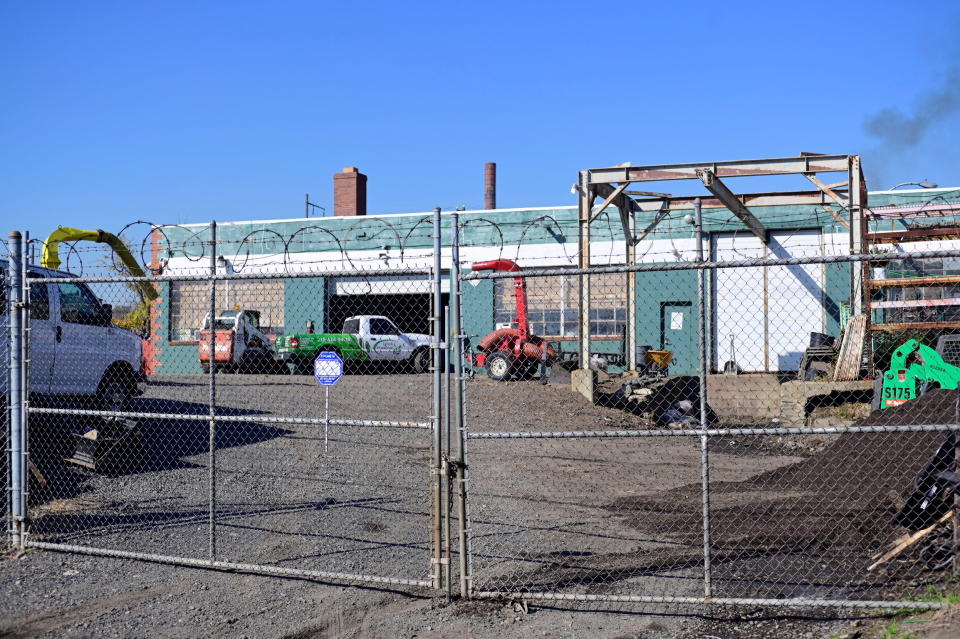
pixel 509 351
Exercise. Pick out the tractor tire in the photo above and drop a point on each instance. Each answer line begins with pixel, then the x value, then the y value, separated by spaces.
pixel 218 369
pixel 499 367
pixel 421 361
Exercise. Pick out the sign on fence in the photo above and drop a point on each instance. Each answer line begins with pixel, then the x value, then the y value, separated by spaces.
pixel 328 368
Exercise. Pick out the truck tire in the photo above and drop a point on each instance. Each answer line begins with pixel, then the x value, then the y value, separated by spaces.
pixel 302 366
pixel 115 392
pixel 499 367
pixel 421 360
pixel 256 363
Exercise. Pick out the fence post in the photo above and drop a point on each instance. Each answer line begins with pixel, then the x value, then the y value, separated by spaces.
pixel 956 496
pixel 212 432
pixel 458 415
pixel 447 421
pixel 437 470
pixel 704 442
pixel 24 390
pixel 14 392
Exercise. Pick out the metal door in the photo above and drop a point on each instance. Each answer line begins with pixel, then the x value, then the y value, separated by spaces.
pixel 384 340
pixel 678 333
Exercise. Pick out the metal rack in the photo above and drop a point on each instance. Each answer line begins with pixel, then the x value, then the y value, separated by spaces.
pixel 914 314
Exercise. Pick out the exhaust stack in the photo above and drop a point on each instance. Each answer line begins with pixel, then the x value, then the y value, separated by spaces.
pixel 490 185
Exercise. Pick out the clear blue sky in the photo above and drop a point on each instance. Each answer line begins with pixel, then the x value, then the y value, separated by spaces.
pixel 186 111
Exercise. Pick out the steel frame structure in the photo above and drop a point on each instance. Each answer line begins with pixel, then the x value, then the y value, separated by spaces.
pixel 609 185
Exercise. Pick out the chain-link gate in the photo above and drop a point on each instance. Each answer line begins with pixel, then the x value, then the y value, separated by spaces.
pixel 715 441
pixel 735 460
pixel 280 420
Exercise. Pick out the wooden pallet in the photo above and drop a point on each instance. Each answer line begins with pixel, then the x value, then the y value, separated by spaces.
pixel 850 358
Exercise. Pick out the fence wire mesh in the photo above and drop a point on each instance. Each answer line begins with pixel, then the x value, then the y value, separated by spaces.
pixel 277 420
pixel 749 429
pixel 747 439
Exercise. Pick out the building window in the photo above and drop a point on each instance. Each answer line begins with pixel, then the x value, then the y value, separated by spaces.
pixel 553 305
pixel 190 303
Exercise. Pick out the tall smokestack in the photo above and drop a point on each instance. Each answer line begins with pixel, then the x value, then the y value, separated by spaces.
pixel 349 192
pixel 490 185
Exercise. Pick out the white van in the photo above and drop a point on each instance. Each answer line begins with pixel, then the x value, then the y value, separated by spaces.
pixel 75 350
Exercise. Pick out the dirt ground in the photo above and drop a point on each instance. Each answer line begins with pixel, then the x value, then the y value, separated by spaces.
pixel 604 516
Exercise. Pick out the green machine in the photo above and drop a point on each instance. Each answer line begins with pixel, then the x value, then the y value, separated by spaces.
pixel 911 364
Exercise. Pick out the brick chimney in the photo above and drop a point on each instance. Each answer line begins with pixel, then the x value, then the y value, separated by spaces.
pixel 490 185
pixel 349 192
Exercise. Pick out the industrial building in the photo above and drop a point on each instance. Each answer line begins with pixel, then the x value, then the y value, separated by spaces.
pixel 747 306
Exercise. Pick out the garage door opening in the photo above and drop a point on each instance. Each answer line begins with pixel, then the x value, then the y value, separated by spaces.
pixel 411 312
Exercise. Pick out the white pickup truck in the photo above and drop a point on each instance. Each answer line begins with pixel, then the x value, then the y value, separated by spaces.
pixel 75 351
pixel 365 338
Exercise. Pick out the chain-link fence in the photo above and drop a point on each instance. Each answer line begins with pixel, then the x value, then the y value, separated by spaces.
pixel 752 437
pixel 276 421
pixel 742 424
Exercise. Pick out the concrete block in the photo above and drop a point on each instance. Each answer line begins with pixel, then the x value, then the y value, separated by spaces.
pixel 584 382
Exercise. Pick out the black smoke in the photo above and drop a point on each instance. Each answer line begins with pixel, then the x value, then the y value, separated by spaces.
pixel 900 131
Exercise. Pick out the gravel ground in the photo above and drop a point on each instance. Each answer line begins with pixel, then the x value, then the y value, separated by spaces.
pixel 547 514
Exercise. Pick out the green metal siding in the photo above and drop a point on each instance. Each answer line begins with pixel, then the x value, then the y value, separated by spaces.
pixel 304 299
pixel 173 359
pixel 655 289
pixel 837 282
pixel 478 303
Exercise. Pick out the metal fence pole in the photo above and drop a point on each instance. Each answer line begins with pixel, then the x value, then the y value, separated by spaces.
pixel 212 434
pixel 704 442
pixel 956 496
pixel 7 408
pixel 25 389
pixel 14 392
pixel 456 319
pixel 448 420
pixel 436 572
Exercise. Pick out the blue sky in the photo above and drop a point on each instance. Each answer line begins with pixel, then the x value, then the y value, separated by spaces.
pixel 185 111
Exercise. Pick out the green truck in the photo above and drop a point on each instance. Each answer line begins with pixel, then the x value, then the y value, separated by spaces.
pixel 364 339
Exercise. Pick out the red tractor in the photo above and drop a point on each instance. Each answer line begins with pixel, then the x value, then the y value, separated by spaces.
pixel 509 352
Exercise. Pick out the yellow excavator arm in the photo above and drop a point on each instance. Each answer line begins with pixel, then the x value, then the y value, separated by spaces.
pixel 51 253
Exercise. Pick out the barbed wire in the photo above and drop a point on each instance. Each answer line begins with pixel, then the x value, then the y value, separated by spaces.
pixel 265 246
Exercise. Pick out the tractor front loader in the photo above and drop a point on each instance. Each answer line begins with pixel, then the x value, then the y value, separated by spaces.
pixel 913 366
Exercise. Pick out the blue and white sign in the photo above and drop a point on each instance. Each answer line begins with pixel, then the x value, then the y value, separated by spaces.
pixel 328 368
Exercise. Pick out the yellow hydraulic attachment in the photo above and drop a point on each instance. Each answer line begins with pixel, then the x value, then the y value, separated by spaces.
pixel 51 253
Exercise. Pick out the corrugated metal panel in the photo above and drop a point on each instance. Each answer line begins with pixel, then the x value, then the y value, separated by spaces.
pixel 770 311
pixel 795 297
pixel 738 304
